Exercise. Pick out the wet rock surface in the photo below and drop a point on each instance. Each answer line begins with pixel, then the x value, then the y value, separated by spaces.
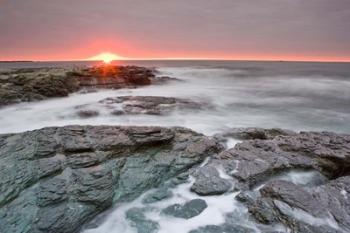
pixel 138 220
pixel 24 85
pixel 134 105
pixel 297 180
pixel 208 182
pixel 188 210
pixel 55 179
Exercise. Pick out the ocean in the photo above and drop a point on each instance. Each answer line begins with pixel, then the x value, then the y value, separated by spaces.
pixel 290 95
pixel 300 96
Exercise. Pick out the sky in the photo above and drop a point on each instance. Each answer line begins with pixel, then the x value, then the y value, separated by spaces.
pixel 204 29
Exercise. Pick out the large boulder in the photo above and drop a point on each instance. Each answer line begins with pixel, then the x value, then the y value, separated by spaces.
pixel 55 179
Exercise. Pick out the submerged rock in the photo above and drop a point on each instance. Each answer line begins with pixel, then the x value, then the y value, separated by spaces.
pixel 55 179
pixel 157 195
pixel 148 105
pixel 139 221
pixel 225 228
pixel 188 210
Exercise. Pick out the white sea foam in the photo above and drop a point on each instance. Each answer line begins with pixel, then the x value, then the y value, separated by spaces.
pixel 218 207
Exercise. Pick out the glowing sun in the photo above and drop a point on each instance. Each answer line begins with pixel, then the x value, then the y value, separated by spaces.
pixel 106 57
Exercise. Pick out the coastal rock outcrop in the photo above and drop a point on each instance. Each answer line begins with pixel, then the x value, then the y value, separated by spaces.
pixel 25 85
pixel 134 105
pixel 296 180
pixel 55 179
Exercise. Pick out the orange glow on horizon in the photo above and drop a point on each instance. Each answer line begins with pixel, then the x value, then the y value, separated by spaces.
pixel 107 57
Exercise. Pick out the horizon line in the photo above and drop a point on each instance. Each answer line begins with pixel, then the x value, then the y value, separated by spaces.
pixel 184 59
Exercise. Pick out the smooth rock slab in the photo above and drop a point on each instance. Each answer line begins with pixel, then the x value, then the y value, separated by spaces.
pixel 188 210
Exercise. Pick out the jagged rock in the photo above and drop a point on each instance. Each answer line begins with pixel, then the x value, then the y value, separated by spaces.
pixel 151 105
pixel 254 161
pixel 55 179
pixel 188 210
pixel 138 220
pixel 256 133
pixel 208 182
pixel 322 209
pixel 157 195
pixel 24 85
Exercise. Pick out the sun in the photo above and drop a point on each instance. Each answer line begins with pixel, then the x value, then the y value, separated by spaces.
pixel 107 57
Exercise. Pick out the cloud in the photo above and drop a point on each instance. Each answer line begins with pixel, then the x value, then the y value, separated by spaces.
pixel 139 27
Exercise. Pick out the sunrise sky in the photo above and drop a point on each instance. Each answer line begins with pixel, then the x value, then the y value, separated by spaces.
pixel 204 29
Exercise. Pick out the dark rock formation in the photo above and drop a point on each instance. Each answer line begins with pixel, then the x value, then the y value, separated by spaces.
pixel 24 85
pixel 208 182
pixel 254 161
pixel 188 210
pixel 149 105
pixel 164 80
pixel 55 179
pixel 158 195
pixel 262 169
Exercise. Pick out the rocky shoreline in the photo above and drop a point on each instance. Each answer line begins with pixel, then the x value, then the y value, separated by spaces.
pixel 60 179
pixel 34 84
pixel 56 179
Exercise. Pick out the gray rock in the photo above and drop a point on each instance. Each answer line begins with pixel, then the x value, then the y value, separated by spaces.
pixel 208 182
pixel 188 210
pixel 157 195
pixel 23 85
pixel 55 179
pixel 149 105
pixel 255 133
pixel 254 161
pixel 87 113
pixel 225 228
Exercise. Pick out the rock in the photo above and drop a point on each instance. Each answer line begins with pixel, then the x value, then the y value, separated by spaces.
pixel 138 220
pixel 208 182
pixel 55 179
pixel 150 105
pixel 254 161
pixel 164 80
pixel 296 180
pixel 188 210
pixel 24 85
pixel 225 228
pixel 87 113
pixel 158 195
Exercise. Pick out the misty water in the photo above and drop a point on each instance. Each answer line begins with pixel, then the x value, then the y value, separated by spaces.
pixel 297 96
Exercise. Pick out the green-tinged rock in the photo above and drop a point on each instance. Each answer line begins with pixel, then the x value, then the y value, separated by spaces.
pixel 138 220
pixel 188 210
pixel 56 179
